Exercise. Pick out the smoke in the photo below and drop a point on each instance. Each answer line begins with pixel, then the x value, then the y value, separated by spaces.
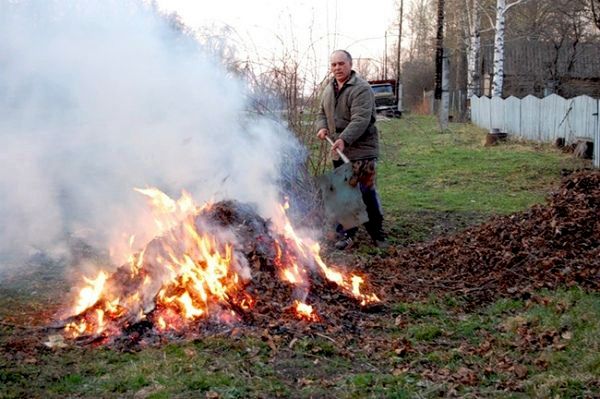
pixel 98 97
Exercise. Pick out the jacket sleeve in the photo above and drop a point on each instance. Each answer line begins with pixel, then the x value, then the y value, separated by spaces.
pixel 321 117
pixel 361 109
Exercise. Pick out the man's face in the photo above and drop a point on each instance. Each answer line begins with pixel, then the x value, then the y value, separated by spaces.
pixel 341 66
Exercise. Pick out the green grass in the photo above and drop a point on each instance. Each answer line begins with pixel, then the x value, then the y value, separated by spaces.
pixel 423 169
pixel 431 184
pixel 212 366
pixel 552 340
pixel 425 173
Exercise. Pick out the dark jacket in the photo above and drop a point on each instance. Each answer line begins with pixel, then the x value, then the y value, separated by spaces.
pixel 351 117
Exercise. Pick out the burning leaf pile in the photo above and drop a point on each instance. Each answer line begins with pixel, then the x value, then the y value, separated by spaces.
pixel 544 247
pixel 220 264
pixel 223 265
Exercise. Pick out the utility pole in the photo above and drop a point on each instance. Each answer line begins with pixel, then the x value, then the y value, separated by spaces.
pixel 445 100
pixel 439 50
pixel 398 65
pixel 385 58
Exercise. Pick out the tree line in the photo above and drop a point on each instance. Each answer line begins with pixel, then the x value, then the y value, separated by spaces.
pixel 476 34
pixel 479 31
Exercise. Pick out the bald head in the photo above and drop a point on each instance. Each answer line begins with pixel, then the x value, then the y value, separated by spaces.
pixel 343 53
pixel 341 65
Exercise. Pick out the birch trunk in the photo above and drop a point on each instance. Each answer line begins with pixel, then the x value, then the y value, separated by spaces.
pixel 474 48
pixel 498 83
pixel 501 9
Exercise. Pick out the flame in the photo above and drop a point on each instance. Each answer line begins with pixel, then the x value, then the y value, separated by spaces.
pixel 161 202
pixel 75 329
pixel 295 275
pixel 168 212
pixel 90 294
pixel 136 261
pixel 311 252
pixel 193 273
pixel 190 311
pixel 305 311
pixel 100 325
pixel 112 307
pixel 162 325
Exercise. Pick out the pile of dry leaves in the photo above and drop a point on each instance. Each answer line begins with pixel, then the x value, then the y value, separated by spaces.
pixel 550 245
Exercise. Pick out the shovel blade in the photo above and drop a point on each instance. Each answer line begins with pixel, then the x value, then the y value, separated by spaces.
pixel 343 203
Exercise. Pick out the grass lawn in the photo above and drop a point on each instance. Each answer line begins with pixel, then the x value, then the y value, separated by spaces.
pixel 448 181
pixel 543 346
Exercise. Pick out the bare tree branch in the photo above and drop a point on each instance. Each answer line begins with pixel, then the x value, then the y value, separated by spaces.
pixel 514 3
pixel 490 19
pixel 595 5
pixel 467 14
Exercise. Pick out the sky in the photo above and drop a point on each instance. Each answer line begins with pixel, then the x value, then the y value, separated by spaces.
pixel 354 25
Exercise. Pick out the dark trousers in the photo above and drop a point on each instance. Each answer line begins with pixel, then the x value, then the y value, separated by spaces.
pixel 364 173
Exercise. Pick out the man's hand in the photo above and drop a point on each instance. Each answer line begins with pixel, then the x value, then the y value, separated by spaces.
pixel 322 133
pixel 338 144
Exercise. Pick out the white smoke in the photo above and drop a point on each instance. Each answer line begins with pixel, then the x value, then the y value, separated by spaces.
pixel 98 97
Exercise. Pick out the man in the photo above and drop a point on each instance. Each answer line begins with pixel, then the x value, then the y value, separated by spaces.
pixel 347 115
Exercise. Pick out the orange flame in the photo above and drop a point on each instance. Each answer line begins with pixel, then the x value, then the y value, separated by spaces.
pixel 89 295
pixel 311 252
pixel 305 311
pixel 194 274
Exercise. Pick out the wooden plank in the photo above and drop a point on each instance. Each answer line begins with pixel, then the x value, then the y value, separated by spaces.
pixel 549 120
pixel 563 110
pixel 530 118
pixel 512 116
pixel 478 111
pixel 582 119
pixel 485 116
pixel 475 108
pixel 497 113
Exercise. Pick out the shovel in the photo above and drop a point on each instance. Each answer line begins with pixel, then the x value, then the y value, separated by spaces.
pixel 343 203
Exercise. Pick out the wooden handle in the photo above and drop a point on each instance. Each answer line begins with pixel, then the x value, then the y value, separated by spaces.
pixel 340 153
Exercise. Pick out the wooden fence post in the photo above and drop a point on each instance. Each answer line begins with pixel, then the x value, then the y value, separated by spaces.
pixel 597 138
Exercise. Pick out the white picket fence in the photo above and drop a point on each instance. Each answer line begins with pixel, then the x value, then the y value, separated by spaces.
pixel 543 120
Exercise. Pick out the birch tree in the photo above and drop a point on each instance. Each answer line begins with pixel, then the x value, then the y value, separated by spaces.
pixel 501 9
pixel 473 33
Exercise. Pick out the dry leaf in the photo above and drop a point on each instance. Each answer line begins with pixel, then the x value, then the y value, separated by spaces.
pixel 55 341
pixel 567 335
pixel 520 371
